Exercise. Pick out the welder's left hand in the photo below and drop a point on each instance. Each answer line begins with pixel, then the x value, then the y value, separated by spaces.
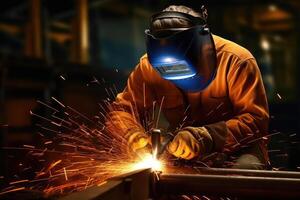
pixel 137 140
pixel 190 142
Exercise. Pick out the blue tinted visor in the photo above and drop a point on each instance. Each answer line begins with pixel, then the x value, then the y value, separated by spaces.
pixel 187 57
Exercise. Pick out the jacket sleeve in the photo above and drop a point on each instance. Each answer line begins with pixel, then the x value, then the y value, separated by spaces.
pixel 126 113
pixel 250 109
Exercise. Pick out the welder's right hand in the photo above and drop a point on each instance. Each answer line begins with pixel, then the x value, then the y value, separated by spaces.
pixel 184 145
pixel 190 142
pixel 137 140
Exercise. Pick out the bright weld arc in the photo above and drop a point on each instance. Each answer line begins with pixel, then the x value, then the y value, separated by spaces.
pixel 148 161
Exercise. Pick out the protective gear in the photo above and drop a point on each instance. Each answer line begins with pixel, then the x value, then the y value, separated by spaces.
pixel 191 142
pixel 231 108
pixel 184 56
pixel 137 140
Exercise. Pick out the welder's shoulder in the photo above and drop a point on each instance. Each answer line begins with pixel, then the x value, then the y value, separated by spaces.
pixel 147 70
pixel 227 48
pixel 145 64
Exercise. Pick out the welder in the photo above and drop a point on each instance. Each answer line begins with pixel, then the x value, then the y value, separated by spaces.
pixel 210 89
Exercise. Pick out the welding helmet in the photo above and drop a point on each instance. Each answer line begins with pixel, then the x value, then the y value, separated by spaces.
pixel 184 56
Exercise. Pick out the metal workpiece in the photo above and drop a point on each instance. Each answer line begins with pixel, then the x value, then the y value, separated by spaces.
pixel 229 185
pixel 247 172
pixel 129 186
pixel 149 184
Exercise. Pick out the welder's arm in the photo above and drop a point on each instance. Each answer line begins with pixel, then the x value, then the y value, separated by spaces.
pixel 248 97
pixel 127 111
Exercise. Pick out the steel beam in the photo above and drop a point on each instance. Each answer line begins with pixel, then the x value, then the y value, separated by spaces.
pixel 144 184
pixel 229 185
pixel 133 185
pixel 246 172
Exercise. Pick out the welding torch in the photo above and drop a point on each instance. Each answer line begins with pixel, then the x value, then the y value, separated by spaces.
pixel 160 141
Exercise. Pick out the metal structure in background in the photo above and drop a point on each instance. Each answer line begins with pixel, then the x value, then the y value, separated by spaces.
pixel 80 33
pixel 144 184
pixel 33 41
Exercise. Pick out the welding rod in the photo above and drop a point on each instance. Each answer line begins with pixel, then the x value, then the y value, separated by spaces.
pixel 155 141
pixel 159 142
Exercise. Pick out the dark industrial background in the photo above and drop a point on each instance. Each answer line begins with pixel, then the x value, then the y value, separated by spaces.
pixel 51 48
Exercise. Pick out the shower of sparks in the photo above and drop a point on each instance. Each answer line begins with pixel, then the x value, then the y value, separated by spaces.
pixel 78 152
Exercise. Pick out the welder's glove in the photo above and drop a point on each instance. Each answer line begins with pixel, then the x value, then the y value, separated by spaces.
pixel 137 140
pixel 191 142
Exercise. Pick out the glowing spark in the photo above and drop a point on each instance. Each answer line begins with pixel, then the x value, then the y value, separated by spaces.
pixel 156 175
pixel 28 146
pixel 95 80
pixel 54 164
pixel 87 182
pixel 153 109
pixel 63 78
pixel 197 198
pixel 279 96
pixel 219 106
pixel 13 190
pixel 112 92
pixel 186 197
pixel 210 112
pixel 160 107
pixel 206 198
pixel 16 182
pixel 56 124
pixel 65 172
pixel 60 103
pixel 187 108
pixel 42 103
pixel 148 162
pixel 48 142
pixel 100 184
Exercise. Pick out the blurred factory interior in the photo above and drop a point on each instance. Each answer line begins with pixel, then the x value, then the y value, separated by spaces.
pixel 59 49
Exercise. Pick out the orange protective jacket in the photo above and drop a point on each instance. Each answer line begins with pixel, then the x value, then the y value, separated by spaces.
pixel 233 107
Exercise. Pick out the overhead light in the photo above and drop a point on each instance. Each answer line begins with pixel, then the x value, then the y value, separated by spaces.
pixel 272 7
pixel 265 44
